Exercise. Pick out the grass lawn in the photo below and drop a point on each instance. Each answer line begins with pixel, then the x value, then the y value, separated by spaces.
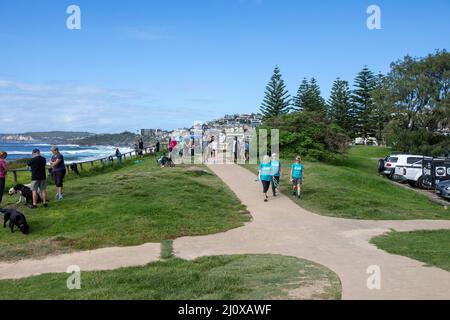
pixel 239 277
pixel 130 206
pixel 431 247
pixel 351 188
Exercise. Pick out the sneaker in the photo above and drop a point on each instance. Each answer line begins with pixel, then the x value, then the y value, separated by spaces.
pixel 265 200
pixel 31 206
pixel 45 205
pixel 57 196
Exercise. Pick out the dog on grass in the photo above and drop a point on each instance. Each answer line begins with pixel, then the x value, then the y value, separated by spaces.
pixel 23 192
pixel 16 219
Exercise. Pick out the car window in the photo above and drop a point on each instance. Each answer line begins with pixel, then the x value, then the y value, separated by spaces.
pixel 414 160
pixel 393 159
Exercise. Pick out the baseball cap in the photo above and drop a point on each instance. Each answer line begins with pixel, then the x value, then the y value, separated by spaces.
pixel 36 151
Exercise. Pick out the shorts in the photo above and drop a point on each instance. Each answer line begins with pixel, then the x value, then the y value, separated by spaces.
pixel 38 185
pixel 297 181
pixel 266 185
pixel 59 178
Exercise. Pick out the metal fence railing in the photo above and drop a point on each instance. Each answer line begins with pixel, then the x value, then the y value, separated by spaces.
pixel 90 163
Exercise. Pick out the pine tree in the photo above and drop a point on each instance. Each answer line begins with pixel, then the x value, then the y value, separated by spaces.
pixel 309 98
pixel 300 100
pixel 277 100
pixel 340 107
pixel 315 101
pixel 365 83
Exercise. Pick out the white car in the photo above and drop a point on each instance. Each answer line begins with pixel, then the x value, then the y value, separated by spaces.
pixel 387 165
pixel 409 168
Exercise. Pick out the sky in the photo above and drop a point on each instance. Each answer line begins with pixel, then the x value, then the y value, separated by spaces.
pixel 167 63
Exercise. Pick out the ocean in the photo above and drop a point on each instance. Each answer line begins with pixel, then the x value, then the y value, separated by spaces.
pixel 71 152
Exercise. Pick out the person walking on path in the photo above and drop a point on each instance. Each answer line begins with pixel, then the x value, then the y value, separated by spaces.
pixel 3 172
pixel 58 171
pixel 276 173
pixel 265 175
pixel 172 144
pixel 37 165
pixel 141 147
pixel 119 156
pixel 297 176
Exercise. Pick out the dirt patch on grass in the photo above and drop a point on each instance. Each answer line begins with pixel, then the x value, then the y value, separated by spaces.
pixel 310 291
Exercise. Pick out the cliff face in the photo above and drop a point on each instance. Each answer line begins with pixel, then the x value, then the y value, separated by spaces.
pixel 16 137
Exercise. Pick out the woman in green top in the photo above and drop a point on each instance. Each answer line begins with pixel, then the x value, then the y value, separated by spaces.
pixel 265 175
pixel 297 176
pixel 276 173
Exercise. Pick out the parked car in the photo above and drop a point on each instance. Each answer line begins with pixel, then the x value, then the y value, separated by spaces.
pixel 443 189
pixel 409 169
pixel 435 171
pixel 387 165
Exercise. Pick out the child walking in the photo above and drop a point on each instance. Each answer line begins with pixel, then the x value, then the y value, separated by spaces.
pixel 297 175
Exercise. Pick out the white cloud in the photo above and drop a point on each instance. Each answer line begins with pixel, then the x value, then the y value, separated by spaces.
pixel 43 107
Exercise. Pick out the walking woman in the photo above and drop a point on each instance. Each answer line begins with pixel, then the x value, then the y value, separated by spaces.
pixel 3 171
pixel 58 171
pixel 297 176
pixel 265 175
pixel 276 173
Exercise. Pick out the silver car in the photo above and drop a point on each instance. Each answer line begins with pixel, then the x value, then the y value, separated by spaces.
pixel 443 189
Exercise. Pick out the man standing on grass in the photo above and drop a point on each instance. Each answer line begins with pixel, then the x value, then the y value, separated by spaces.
pixel 37 165
pixel 297 174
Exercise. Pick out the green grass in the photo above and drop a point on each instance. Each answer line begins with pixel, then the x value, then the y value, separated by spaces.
pixel 431 247
pixel 239 277
pixel 351 188
pixel 166 249
pixel 136 204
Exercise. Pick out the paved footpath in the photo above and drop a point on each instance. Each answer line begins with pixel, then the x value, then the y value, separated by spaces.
pixel 280 227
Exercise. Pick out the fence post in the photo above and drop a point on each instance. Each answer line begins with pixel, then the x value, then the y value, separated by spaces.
pixel 92 164
pixel 14 176
pixel 81 165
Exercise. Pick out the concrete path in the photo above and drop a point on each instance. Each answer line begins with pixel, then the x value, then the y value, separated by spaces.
pixel 100 259
pixel 280 227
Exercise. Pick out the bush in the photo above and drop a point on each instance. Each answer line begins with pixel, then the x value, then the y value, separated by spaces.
pixel 308 134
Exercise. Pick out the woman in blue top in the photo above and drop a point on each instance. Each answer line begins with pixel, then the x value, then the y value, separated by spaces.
pixel 265 175
pixel 297 175
pixel 276 173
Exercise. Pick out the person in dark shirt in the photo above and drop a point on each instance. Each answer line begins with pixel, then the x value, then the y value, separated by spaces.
pixel 141 147
pixel 58 171
pixel 37 165
pixel 157 146
pixel 119 156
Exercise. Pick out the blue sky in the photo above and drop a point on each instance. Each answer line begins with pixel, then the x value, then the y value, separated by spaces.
pixel 166 63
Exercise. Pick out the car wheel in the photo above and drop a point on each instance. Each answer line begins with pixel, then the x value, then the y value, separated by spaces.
pixel 419 183
pixel 381 164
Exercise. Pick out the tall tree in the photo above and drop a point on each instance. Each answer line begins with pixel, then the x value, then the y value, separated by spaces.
pixel 301 99
pixel 277 99
pixel 382 110
pixel 316 103
pixel 309 98
pixel 365 83
pixel 340 108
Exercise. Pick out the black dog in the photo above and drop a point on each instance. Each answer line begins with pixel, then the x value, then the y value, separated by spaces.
pixel 15 218
pixel 24 191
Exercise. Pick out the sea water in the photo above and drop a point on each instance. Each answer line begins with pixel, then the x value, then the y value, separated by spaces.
pixel 71 152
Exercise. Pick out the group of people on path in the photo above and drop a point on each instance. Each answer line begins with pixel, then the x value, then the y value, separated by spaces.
pixel 270 174
pixel 37 165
